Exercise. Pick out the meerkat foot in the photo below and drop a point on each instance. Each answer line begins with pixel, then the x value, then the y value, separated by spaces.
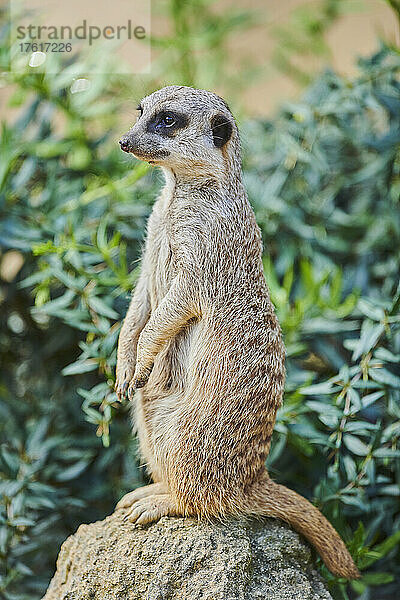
pixel 142 492
pixel 152 508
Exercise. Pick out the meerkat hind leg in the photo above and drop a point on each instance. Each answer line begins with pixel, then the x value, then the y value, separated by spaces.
pixel 152 508
pixel 141 492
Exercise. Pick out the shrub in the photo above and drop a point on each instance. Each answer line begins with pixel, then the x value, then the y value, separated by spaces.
pixel 324 181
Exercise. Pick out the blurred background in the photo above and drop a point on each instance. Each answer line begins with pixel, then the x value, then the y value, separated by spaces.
pixel 315 86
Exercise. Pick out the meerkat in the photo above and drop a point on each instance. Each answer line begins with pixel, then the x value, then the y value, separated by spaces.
pixel 201 347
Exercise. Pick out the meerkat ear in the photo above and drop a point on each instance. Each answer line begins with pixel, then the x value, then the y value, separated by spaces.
pixel 221 130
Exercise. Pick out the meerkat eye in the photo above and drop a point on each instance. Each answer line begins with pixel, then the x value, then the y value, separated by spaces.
pixel 167 121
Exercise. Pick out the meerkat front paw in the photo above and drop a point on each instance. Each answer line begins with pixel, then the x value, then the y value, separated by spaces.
pixel 139 379
pixel 152 508
pixel 125 371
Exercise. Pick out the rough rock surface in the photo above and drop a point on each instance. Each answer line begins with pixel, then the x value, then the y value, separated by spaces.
pixel 181 559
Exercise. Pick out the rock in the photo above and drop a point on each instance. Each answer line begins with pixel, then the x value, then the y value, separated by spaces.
pixel 182 559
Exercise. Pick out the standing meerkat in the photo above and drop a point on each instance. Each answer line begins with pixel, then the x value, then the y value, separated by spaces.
pixel 200 341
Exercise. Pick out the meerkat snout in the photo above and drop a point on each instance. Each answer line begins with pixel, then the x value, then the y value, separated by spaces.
pixel 143 147
pixel 125 144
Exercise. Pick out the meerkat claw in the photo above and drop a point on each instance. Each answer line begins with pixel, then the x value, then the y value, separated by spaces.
pixel 123 377
pixel 121 390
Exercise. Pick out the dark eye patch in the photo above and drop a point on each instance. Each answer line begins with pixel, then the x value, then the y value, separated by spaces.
pixel 221 129
pixel 167 123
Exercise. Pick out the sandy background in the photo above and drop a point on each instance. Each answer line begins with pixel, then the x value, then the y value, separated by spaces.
pixel 354 34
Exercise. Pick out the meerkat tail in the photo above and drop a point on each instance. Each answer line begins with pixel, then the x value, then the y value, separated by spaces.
pixel 279 501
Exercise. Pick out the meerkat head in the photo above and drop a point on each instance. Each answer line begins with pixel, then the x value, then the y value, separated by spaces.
pixel 189 131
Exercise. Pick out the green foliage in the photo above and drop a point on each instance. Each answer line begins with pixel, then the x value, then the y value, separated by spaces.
pixel 197 30
pixel 302 47
pixel 304 38
pixel 63 188
pixel 395 5
pixel 324 181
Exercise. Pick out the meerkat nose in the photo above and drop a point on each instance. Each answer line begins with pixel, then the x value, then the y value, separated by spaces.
pixel 125 144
